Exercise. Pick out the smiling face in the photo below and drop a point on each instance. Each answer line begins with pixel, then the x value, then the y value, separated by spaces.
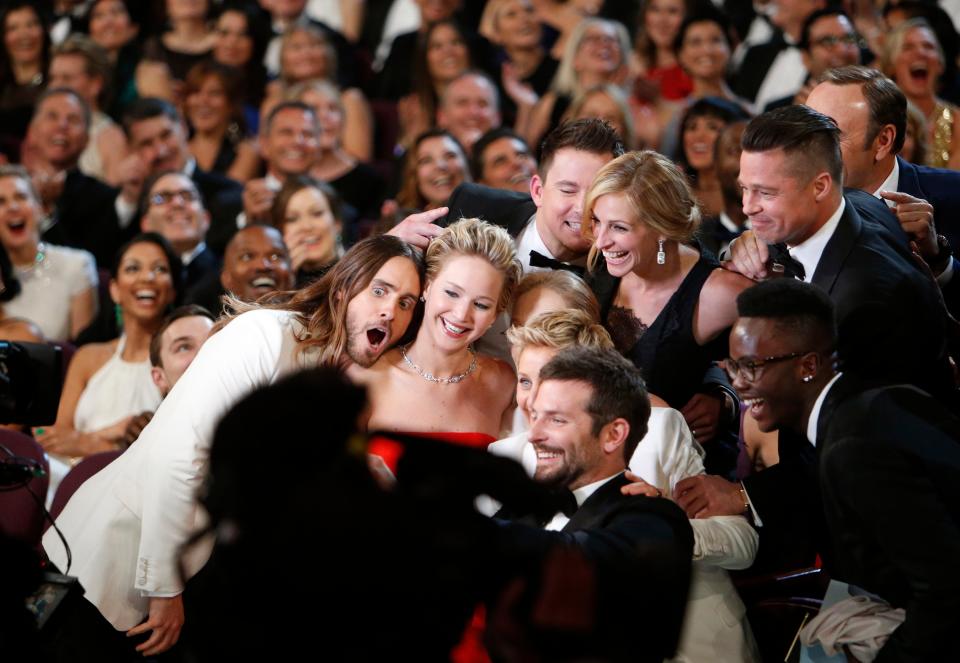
pixel 918 65
pixel 143 287
pixel 559 200
pixel 23 36
pixel 110 24
pixel 699 140
pixel 447 55
pixel 561 432
pixel 469 109
pixel 441 168
pixel 255 263
pixel 529 363
pixel 599 51
pixel 160 143
pixel 833 44
pixel 662 20
pixel 508 164
pixel 174 210
pixel 179 345
pixel 705 51
pixel 780 205
pixel 378 316
pixel 19 212
pixel 304 57
pixel 60 131
pixel 208 108
pixel 773 397
pixel 626 243
pixel 329 116
pixel 461 302
pixel 69 70
pixel 291 144
pixel 309 223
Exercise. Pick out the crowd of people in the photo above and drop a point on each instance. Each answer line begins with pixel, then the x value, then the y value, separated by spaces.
pixel 688 263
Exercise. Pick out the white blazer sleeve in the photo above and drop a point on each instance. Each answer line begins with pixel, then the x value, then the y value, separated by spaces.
pixel 242 356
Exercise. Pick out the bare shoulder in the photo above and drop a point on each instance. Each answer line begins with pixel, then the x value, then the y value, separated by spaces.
pixel 724 283
pixel 88 359
pixel 498 376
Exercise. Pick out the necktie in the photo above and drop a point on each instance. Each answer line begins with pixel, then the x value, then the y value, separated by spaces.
pixel 537 259
pixel 779 255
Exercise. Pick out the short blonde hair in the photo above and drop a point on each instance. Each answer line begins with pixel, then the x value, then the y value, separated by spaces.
pixel 566 81
pixel 474 237
pixel 656 190
pixel 893 44
pixel 574 291
pixel 560 330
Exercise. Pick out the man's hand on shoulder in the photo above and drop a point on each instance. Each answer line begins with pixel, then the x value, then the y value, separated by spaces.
pixel 418 229
pixel 706 495
pixel 748 256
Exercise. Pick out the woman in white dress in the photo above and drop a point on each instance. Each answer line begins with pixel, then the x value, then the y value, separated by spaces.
pixel 58 284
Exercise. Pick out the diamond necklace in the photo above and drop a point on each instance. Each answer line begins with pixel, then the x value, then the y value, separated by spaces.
pixel 430 377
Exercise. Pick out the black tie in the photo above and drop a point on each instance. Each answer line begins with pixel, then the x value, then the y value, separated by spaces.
pixel 779 255
pixel 537 259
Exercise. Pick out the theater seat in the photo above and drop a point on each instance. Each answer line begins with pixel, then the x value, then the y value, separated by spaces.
pixel 21 514
pixel 80 472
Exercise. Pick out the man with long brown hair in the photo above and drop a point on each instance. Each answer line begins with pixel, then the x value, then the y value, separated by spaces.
pixel 145 499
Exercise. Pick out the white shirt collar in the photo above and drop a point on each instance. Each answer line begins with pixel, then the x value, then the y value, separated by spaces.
pixel 815 412
pixel 584 492
pixel 188 257
pixel 190 167
pixel 809 251
pixel 892 183
pixel 529 239
pixel 273 183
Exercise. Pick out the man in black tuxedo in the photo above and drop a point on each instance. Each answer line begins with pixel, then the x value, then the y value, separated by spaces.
pixel 589 413
pixel 891 324
pixel 158 142
pixel 871 112
pixel 81 209
pixel 888 461
pixel 173 207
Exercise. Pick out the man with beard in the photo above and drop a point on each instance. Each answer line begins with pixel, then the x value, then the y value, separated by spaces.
pixel 125 526
pixel 589 413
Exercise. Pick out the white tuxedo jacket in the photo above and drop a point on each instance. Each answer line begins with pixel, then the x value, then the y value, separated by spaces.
pixel 126 524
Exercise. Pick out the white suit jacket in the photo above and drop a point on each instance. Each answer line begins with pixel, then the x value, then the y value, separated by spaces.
pixel 126 524
pixel 715 626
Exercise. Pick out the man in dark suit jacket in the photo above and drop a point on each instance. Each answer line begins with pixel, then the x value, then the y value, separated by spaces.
pixel 888 460
pixel 158 140
pixel 891 326
pixel 82 212
pixel 591 410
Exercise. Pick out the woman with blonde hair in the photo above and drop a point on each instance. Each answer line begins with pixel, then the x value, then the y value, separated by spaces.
pixel 914 59
pixel 552 290
pixel 438 384
pixel 606 102
pixel 668 306
pixel 715 625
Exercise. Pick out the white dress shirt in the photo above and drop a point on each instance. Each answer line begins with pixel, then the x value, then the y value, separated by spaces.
pixel 892 183
pixel 581 494
pixel 809 252
pixel 815 412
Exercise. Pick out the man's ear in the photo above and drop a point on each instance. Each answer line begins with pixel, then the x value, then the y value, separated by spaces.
pixel 822 186
pixel 536 189
pixel 810 365
pixel 160 379
pixel 883 143
pixel 614 435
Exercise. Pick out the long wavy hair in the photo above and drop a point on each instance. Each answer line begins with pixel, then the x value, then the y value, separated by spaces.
pixel 321 307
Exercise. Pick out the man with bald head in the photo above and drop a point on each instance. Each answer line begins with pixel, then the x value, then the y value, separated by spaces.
pixel 256 262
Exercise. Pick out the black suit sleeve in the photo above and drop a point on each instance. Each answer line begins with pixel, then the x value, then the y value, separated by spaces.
pixel 888 503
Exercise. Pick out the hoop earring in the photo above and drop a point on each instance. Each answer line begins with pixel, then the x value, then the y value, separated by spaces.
pixel 661 256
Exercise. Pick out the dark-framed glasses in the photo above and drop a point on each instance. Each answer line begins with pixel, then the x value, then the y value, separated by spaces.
pixel 750 367
pixel 829 41
pixel 164 197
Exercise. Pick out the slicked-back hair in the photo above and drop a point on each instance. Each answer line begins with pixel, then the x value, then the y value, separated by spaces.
pixel 886 101
pixel 617 389
pixel 287 105
pixel 590 135
pixel 801 310
pixel 185 311
pixel 810 139
pixel 495 134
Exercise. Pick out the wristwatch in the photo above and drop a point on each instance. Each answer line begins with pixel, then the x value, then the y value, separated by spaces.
pixel 939 262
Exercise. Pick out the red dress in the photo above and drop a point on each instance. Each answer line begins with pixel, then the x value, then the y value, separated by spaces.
pixel 391 450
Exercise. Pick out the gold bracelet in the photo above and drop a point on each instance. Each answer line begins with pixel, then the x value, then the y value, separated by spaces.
pixel 746 502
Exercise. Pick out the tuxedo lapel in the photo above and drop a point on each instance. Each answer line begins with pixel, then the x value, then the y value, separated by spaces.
pixel 597 506
pixel 837 249
pixel 909 182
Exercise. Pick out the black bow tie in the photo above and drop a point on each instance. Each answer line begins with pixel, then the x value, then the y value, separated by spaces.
pixel 537 259
pixel 780 256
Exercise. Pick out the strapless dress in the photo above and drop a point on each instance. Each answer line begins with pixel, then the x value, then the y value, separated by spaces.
pixel 391 450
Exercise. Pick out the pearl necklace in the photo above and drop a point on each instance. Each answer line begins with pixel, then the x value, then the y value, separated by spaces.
pixel 430 377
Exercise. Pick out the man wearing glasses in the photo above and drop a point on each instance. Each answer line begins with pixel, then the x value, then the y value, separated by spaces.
pixel 891 322
pixel 172 207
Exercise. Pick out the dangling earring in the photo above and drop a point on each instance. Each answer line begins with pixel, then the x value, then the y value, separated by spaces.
pixel 118 316
pixel 661 256
pixel 807 378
